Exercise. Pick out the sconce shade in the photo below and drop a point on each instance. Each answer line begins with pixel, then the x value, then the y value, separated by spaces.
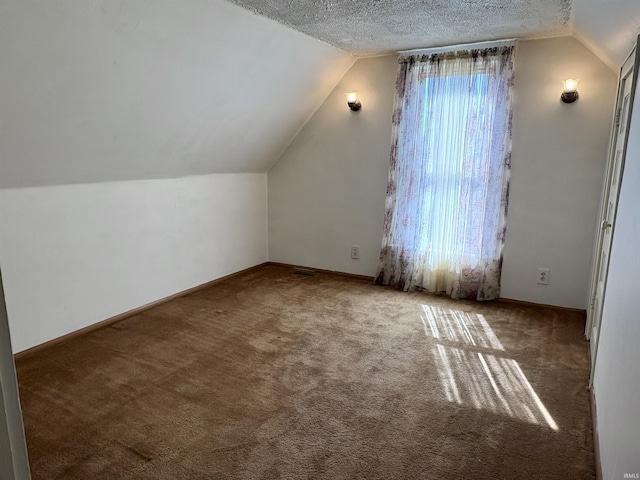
pixel 569 90
pixel 353 102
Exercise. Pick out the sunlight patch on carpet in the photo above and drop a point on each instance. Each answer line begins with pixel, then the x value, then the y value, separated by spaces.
pixel 473 368
pixel 457 326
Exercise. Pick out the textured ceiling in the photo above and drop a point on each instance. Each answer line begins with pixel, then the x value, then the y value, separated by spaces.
pixel 373 27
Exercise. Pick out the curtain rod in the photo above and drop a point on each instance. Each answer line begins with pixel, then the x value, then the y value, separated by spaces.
pixel 465 46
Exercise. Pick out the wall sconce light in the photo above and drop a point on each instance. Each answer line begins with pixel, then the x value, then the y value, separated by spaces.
pixel 353 102
pixel 570 90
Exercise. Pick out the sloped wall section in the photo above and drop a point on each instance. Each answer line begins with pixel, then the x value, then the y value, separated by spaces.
pixel 609 29
pixel 109 90
pixel 134 140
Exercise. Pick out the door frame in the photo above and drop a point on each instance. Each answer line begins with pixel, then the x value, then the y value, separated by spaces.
pixel 596 259
pixel 14 463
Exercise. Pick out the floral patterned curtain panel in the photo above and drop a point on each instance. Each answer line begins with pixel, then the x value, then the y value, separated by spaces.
pixel 448 186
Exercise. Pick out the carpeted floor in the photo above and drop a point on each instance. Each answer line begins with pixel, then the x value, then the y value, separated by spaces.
pixel 273 375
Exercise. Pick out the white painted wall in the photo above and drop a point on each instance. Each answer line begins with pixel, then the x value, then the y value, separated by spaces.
pixel 617 374
pixel 109 94
pixel 559 157
pixel 327 191
pixel 108 90
pixel 74 255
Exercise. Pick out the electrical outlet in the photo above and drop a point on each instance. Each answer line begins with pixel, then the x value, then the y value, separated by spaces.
pixel 543 276
pixel 355 252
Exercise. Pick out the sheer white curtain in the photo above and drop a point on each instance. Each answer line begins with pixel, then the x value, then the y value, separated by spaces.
pixel 449 174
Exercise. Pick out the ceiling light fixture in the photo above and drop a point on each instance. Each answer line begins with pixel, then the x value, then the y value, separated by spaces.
pixel 353 102
pixel 570 90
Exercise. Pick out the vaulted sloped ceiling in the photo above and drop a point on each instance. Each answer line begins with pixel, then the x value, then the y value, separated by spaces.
pixel 100 90
pixel 92 91
pixel 608 28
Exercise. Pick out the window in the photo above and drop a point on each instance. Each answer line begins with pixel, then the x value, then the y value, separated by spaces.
pixel 448 176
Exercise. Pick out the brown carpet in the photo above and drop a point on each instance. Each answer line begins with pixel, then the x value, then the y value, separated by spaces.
pixel 273 375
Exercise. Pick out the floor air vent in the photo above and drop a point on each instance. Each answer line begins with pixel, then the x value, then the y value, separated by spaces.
pixel 304 271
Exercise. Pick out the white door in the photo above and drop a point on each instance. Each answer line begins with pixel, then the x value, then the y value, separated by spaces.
pixel 609 205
